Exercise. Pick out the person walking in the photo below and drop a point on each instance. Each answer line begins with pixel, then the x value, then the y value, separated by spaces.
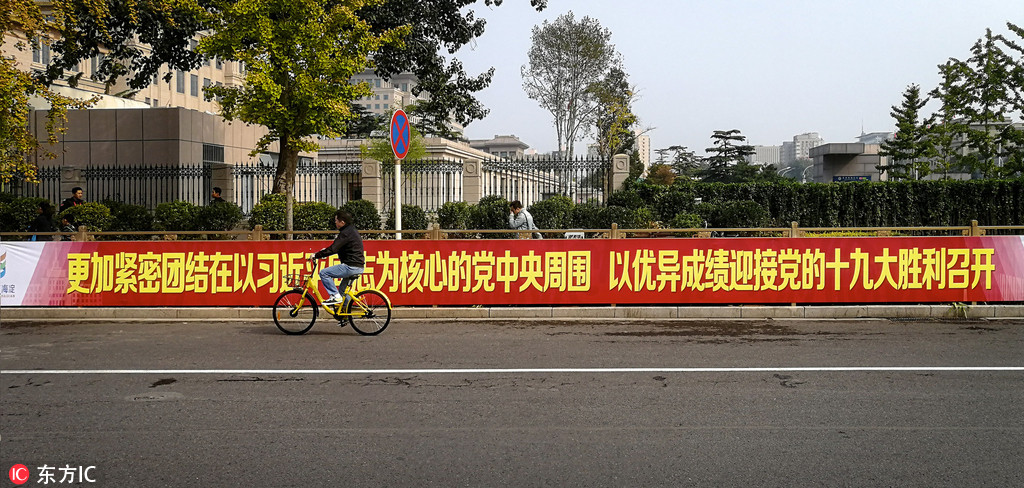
pixel 520 219
pixel 349 248
pixel 215 196
pixel 42 223
pixel 74 200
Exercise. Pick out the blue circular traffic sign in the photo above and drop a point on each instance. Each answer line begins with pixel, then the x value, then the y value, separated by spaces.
pixel 401 135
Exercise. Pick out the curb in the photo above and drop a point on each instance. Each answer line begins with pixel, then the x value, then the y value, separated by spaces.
pixel 559 313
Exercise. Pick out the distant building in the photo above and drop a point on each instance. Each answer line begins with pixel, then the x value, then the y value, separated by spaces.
pixel 800 147
pixel 643 148
pixel 508 146
pixel 874 137
pixel 766 155
pixel 844 162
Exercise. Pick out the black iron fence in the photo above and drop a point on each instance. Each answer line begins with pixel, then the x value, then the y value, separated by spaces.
pixel 427 183
pixel 332 183
pixel 148 185
pixel 535 179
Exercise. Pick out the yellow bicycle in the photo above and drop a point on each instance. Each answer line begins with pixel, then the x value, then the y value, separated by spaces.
pixel 368 311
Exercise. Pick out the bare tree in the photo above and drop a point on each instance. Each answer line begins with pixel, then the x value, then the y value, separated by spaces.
pixel 568 57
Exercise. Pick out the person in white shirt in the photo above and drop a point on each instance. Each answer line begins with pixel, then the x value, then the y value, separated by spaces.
pixel 520 219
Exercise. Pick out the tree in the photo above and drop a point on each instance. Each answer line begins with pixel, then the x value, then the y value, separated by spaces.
pixel 685 162
pixel 25 23
pixel 614 119
pixel 726 161
pixel 945 128
pixel 436 25
pixel 906 150
pixel 566 58
pixel 135 39
pixel 299 57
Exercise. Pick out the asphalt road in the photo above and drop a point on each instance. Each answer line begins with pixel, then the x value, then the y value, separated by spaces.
pixel 523 403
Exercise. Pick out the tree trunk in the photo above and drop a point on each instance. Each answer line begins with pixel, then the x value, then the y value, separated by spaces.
pixel 284 180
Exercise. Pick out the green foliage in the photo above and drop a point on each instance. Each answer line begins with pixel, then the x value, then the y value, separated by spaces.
pixel 685 220
pixel 127 217
pixel 742 213
pixel 627 218
pixel 220 216
pixel 16 214
pixel 413 218
pixel 177 215
pixel 588 216
pixel 455 216
pixel 95 216
pixel 365 214
pixel 554 213
pixel 270 212
pixel 567 58
pixel 315 216
pixel 491 213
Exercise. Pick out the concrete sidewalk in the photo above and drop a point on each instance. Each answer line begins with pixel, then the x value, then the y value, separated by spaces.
pixel 1013 311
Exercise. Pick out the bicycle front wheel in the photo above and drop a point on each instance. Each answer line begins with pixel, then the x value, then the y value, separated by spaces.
pixel 294 313
pixel 373 316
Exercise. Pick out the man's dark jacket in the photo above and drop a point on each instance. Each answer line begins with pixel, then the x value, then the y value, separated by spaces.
pixel 348 245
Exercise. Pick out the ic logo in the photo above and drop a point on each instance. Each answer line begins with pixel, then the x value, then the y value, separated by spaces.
pixel 19 474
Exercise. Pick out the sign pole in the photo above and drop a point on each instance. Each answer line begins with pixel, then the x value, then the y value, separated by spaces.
pixel 401 139
pixel 398 199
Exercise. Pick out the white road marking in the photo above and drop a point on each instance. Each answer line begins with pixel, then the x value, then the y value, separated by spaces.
pixel 825 369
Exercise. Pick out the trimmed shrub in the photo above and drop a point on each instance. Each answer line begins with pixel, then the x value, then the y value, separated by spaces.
pixel 553 213
pixel 685 220
pixel 95 216
pixel 18 213
pixel 455 216
pixel 314 216
pixel 365 214
pixel 269 212
pixel 218 216
pixel 742 213
pixel 413 218
pixel 178 215
pixel 127 217
pixel 491 213
pixel 627 218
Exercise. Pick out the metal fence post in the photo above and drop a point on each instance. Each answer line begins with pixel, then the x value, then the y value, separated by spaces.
pixel 472 181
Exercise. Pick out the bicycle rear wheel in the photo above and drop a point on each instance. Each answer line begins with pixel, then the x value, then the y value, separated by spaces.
pixel 294 313
pixel 375 318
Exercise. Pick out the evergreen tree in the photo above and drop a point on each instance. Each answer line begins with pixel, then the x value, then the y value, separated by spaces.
pixel 726 162
pixel 906 150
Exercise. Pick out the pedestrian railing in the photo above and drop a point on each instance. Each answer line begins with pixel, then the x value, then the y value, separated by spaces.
pixel 614 232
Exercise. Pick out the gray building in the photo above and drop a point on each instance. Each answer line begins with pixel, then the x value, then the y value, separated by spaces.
pixel 841 162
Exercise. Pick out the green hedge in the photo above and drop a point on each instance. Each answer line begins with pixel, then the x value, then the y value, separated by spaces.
pixel 855 204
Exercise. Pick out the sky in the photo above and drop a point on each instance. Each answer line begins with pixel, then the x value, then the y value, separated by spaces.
pixel 772 69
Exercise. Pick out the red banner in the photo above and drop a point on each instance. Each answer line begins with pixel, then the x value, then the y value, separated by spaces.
pixel 528 272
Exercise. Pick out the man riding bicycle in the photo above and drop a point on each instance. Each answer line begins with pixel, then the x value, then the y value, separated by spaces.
pixel 349 247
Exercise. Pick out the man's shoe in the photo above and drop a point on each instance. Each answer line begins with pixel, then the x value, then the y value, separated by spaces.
pixel 336 299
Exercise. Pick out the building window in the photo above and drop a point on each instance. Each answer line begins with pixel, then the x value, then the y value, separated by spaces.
pixel 220 65
pixel 385 97
pixel 376 82
pixel 405 87
pixel 213 153
pixel 376 106
pixel 193 85
pixel 156 103
pixel 180 78
pixel 41 54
